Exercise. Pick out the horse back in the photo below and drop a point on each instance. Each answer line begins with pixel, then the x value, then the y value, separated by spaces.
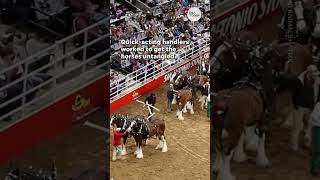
pixel 302 58
pixel 244 107
pixel 158 125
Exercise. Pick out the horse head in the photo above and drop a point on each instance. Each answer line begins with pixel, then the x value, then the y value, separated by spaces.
pixel 222 56
pixel 181 81
pixel 118 120
pixel 219 105
pixel 136 123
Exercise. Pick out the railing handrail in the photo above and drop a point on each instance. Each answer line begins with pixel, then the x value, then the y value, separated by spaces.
pixel 179 52
pixel 124 83
pixel 53 46
pixel 53 64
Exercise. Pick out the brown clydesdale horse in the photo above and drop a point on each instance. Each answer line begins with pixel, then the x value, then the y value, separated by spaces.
pixel 141 129
pixel 200 80
pixel 197 83
pixel 233 110
pixel 184 101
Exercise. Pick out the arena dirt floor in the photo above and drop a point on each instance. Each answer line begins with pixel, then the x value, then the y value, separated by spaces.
pixel 188 146
pixel 74 151
pixel 285 164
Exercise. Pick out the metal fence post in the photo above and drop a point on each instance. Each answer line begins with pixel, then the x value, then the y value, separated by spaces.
pixel 84 52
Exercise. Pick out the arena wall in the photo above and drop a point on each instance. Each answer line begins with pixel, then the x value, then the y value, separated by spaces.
pixel 53 120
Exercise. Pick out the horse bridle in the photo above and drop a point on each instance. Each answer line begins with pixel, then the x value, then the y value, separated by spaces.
pixel 135 122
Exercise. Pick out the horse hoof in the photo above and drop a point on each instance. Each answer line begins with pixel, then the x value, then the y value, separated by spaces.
pixel 295 148
pixel 191 112
pixel 240 158
pixel 263 163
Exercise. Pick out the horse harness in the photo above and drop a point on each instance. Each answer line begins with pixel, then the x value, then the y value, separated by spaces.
pixel 143 129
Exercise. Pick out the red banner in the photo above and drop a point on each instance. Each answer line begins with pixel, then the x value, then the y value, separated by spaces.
pixel 52 120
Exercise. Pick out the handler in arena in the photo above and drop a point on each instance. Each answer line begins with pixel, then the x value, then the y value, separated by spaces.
pixel 117 135
pixel 204 97
pixel 315 149
pixel 170 95
pixel 150 100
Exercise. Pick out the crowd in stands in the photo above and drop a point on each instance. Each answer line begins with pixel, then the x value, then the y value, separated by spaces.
pixel 29 26
pixel 153 3
pixel 171 24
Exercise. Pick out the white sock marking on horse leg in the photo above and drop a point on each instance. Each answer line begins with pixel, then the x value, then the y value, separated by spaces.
pixel 307 136
pixel 140 154
pixel 136 151
pixel 297 128
pixel 225 172
pixel 188 105
pixel 164 147
pixel 239 155
pixel 160 145
pixel 252 139
pixel 225 134
pixel 217 163
pixel 177 114
pixel 147 141
pixel 184 110
pixel 180 117
pixel 262 159
pixel 289 121
pixel 114 154
pixel 124 151
pixel 202 102
pixel 191 109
